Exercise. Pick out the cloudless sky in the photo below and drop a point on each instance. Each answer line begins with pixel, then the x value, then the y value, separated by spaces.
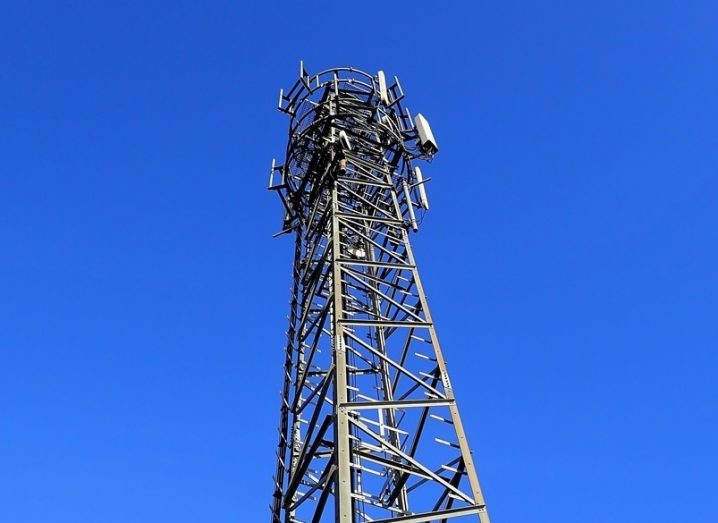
pixel 570 255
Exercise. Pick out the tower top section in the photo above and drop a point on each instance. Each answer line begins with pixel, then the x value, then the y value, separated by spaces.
pixel 309 91
pixel 330 112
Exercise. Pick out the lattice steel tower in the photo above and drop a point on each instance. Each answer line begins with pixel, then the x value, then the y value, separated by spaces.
pixel 369 428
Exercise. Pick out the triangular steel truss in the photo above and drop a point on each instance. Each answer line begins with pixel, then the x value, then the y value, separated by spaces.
pixel 369 429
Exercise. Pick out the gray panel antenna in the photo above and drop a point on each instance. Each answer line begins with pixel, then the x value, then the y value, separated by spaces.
pixel 426 137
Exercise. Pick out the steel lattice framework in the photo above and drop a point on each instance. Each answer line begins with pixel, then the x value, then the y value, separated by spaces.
pixel 369 428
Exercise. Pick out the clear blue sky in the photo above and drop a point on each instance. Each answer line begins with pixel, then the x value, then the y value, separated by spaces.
pixel 570 254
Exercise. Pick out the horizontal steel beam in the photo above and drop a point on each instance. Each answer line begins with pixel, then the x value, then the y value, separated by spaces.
pixel 401 404
pixel 426 517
